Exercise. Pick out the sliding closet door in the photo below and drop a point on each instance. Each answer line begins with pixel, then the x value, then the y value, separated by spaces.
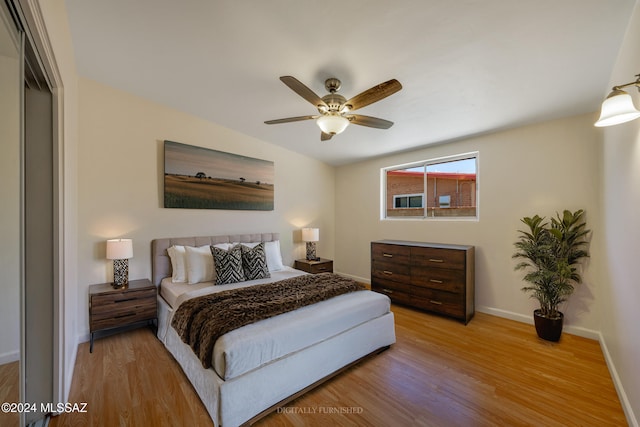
pixel 10 249
pixel 39 245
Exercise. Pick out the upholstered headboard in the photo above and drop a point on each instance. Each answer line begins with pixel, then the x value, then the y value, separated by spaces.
pixel 161 264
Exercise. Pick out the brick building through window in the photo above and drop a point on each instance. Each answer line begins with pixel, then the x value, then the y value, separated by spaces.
pixel 446 193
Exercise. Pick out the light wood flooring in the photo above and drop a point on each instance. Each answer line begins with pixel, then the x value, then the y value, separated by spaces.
pixel 492 372
pixel 9 392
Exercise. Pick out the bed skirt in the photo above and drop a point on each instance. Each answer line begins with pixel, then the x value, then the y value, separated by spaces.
pixel 234 402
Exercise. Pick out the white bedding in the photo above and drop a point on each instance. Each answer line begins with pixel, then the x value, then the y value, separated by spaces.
pixel 172 292
pixel 258 344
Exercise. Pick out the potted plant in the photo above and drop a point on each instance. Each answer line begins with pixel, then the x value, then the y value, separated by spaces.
pixel 550 253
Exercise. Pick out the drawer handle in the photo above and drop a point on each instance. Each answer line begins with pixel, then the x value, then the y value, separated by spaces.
pixel 435 260
pixel 124 315
pixel 387 291
pixel 435 302
pixel 387 255
pixel 125 299
pixel 435 281
pixel 387 272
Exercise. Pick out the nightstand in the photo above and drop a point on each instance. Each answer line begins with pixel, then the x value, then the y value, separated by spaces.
pixel 314 267
pixel 111 308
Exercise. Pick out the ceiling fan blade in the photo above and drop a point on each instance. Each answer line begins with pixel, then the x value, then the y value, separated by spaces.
pixel 299 88
pixel 374 94
pixel 325 136
pixel 290 119
pixel 372 122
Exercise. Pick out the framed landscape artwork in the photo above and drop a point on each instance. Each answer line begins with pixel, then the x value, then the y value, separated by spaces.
pixel 201 178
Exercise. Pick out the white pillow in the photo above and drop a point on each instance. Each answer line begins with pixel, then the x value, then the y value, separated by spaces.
pixel 199 264
pixel 274 257
pixel 179 272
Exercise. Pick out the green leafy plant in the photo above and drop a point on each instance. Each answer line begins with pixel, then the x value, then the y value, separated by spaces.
pixel 550 253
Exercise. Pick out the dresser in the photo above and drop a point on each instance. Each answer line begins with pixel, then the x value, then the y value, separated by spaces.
pixel 111 308
pixel 435 277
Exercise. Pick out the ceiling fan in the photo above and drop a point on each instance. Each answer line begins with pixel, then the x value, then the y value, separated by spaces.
pixel 335 110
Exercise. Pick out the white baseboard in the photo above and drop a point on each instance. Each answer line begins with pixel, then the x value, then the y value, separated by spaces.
pixel 69 372
pixel 573 330
pixel 622 395
pixel 11 356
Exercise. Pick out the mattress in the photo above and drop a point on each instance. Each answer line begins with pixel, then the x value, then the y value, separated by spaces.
pixel 253 346
pixel 175 293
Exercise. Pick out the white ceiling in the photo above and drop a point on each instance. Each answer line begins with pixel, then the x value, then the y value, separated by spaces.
pixel 467 66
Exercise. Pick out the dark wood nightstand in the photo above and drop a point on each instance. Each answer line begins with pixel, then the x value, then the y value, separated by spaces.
pixel 111 308
pixel 314 267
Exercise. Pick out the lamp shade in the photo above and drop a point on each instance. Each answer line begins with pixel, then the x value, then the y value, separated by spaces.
pixel 310 234
pixel 332 124
pixel 617 108
pixel 119 249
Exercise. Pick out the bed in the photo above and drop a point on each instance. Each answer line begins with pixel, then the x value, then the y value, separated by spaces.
pixel 263 365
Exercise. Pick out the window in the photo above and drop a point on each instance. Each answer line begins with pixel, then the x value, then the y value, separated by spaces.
pixel 437 188
pixel 408 201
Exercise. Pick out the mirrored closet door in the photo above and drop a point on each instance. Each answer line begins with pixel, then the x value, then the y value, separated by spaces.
pixel 27 218
pixel 11 82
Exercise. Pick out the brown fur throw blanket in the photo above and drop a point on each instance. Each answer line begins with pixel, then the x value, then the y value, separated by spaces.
pixel 201 321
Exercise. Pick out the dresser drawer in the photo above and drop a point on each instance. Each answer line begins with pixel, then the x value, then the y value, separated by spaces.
pixel 389 271
pixel 390 286
pixel 398 255
pixel 438 258
pixel 440 302
pixel 438 278
pixel 396 294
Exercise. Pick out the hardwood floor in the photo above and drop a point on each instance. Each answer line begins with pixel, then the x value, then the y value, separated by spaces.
pixel 492 372
pixel 9 392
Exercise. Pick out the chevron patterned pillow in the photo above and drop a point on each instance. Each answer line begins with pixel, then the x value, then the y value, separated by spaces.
pixel 228 265
pixel 254 262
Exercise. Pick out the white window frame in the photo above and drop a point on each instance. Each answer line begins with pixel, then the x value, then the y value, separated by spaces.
pixel 425 163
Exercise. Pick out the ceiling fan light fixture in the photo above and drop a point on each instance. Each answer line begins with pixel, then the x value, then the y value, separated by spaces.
pixel 332 124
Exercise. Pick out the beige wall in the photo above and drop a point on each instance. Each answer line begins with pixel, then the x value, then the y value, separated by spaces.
pixel 534 169
pixel 619 291
pixel 120 186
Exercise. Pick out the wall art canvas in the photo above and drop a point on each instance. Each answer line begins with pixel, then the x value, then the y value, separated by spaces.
pixel 201 178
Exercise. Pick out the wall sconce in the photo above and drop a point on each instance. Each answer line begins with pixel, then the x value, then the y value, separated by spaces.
pixel 311 236
pixel 618 106
pixel 120 250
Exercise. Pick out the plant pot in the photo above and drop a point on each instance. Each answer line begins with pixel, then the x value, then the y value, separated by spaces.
pixel 548 329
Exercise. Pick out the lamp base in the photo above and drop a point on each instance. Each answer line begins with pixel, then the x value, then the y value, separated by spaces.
pixel 311 251
pixel 120 273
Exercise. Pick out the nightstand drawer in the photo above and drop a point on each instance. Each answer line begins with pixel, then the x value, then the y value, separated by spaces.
pixel 101 310
pixel 107 301
pixel 315 267
pixel 124 316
